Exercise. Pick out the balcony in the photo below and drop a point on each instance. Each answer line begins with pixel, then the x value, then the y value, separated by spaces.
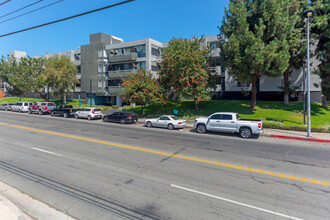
pixel 215 52
pixel 120 73
pixel 123 58
pixel 115 90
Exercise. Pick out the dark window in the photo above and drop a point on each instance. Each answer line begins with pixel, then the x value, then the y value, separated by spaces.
pixel 154 68
pixel 156 52
pixel 79 69
pixel 226 117
pixel 215 116
pixel 26 104
pixel 51 104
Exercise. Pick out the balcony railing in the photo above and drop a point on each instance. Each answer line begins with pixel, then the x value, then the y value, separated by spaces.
pixel 123 58
pixel 115 90
pixel 120 73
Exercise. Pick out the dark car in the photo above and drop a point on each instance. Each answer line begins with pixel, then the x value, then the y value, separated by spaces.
pixel 121 117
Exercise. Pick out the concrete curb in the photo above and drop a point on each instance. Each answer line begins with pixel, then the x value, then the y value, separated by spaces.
pixel 10 211
pixel 296 138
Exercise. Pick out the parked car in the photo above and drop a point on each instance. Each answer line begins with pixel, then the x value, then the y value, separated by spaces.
pixel 42 107
pixel 166 121
pixel 6 106
pixel 228 122
pixel 21 106
pixel 65 110
pixel 121 117
pixel 89 113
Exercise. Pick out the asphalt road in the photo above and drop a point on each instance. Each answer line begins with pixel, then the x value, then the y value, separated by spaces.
pixel 96 170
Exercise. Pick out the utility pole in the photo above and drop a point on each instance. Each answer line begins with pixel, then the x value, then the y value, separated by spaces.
pixel 90 92
pixel 308 83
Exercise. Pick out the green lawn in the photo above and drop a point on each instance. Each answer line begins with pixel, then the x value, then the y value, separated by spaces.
pixel 73 102
pixel 273 114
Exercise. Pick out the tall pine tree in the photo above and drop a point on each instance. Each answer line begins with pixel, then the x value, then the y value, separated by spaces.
pixel 254 44
pixel 321 33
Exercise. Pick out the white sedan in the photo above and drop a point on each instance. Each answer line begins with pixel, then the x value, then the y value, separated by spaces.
pixel 89 113
pixel 166 121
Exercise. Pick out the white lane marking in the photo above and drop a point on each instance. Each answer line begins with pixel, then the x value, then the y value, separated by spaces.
pixel 238 203
pixel 48 152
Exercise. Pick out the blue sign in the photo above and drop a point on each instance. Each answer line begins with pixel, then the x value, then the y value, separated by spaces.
pixel 175 112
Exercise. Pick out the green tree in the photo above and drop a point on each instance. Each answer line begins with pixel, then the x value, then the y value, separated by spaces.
pixel 25 75
pixel 143 88
pixel 185 69
pixel 254 40
pixel 321 32
pixel 60 75
pixel 297 45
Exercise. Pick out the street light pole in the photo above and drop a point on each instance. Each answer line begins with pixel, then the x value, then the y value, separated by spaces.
pixel 308 83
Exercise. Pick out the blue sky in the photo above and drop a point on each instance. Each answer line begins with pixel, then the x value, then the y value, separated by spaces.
pixel 160 20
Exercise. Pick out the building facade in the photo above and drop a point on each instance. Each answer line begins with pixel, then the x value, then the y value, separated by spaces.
pixel 106 60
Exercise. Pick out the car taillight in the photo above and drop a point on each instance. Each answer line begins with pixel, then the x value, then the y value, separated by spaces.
pixel 93 111
pixel 259 125
pixel 129 117
pixel 179 123
pixel 45 107
pixel 70 110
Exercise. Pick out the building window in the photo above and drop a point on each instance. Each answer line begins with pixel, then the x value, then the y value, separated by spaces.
pixel 140 50
pixel 100 83
pixel 116 82
pixel 214 45
pixel 79 69
pixel 156 51
pixel 102 68
pixel 77 56
pixel 102 53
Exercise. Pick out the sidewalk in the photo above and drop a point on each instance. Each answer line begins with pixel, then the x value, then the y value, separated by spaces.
pixel 277 133
pixel 15 205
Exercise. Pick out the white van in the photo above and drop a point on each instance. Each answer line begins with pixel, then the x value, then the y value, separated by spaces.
pixel 21 106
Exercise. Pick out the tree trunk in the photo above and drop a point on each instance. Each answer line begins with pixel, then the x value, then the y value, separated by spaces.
pixel 254 92
pixel 286 87
pixel 324 101
pixel 196 105
pixel 43 95
pixel 64 98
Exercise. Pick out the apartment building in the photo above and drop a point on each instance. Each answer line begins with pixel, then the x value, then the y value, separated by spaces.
pixel 106 60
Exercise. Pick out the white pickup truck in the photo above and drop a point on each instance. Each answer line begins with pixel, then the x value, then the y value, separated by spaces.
pixel 228 122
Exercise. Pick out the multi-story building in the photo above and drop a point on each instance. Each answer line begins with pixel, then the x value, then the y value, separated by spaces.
pixel 106 60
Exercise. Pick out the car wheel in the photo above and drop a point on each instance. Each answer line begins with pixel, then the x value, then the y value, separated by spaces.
pixel 149 125
pixel 245 132
pixel 104 119
pixel 76 116
pixel 40 112
pixel 201 128
pixel 89 118
pixel 30 112
pixel 65 115
pixel 52 113
pixel 170 127
pixel 19 110
pixel 122 121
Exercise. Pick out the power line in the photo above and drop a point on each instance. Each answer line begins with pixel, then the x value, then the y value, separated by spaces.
pixel 63 19
pixel 5 2
pixel 31 11
pixel 20 9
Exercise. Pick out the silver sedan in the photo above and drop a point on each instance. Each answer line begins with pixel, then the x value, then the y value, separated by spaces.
pixel 166 121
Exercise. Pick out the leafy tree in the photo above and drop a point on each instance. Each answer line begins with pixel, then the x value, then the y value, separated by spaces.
pixel 142 88
pixel 185 69
pixel 321 32
pixel 25 75
pixel 254 40
pixel 60 75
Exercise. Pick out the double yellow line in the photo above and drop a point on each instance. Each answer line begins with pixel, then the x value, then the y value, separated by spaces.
pixel 179 156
